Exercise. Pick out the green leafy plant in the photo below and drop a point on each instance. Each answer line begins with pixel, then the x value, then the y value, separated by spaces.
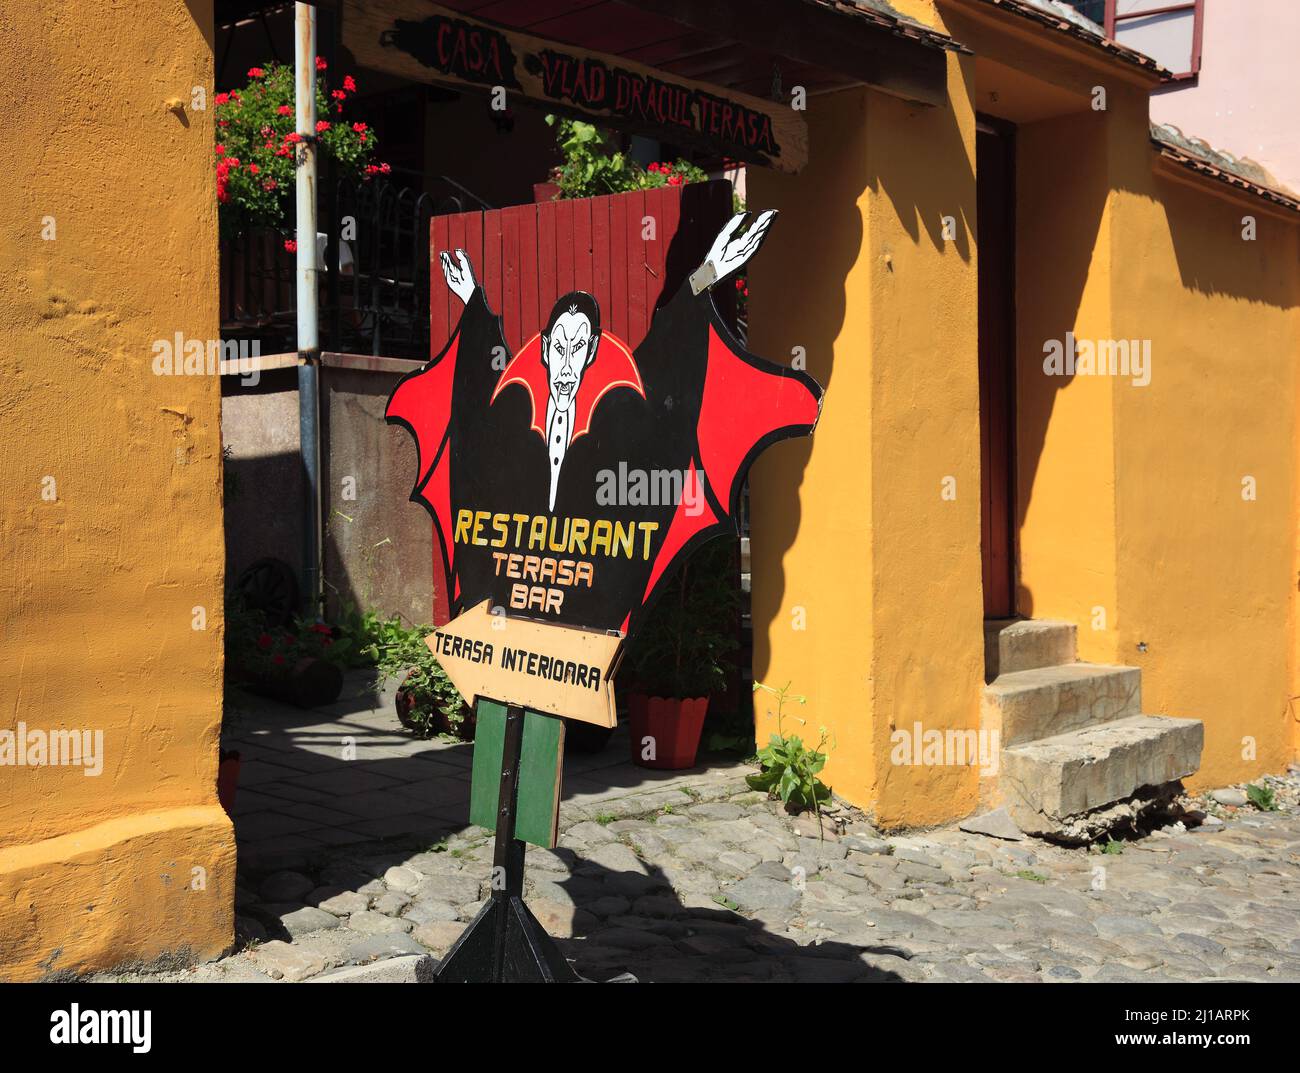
pixel 681 649
pixel 1263 798
pixel 1111 846
pixel 790 768
pixel 1032 876
pixel 375 641
pixel 256 149
pixel 593 166
pixel 430 701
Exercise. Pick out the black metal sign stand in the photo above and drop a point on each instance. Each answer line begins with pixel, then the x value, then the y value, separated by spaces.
pixel 505 943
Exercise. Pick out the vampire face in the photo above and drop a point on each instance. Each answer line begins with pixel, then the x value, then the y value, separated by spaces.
pixel 569 345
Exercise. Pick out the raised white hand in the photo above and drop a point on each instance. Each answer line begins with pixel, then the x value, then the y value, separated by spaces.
pixel 728 252
pixel 458 274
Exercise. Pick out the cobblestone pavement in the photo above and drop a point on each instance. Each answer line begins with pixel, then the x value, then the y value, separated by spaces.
pixel 706 880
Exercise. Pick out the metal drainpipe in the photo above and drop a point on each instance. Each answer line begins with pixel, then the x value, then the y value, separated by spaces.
pixel 304 82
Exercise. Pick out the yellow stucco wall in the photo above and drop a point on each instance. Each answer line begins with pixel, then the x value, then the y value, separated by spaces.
pixel 1205 575
pixel 866 594
pixel 104 568
pixel 1130 517
pixel 1131 496
pixel 1065 429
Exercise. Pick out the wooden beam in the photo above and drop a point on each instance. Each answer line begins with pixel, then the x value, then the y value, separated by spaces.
pixel 427 43
pixel 810 33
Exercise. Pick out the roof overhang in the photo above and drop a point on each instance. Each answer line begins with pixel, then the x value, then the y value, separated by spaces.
pixel 1184 159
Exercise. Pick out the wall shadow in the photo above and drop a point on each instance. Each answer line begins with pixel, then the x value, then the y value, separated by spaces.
pixel 624 919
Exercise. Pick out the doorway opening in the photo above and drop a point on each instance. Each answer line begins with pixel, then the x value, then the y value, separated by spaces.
pixel 995 161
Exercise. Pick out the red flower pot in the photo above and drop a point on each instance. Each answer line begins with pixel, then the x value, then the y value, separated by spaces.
pixel 673 724
pixel 227 781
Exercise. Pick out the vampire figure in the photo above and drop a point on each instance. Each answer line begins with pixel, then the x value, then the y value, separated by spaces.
pixel 567 481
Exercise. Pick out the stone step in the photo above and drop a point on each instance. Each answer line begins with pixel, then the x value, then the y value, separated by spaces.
pixel 1023 644
pixel 1045 701
pixel 1070 786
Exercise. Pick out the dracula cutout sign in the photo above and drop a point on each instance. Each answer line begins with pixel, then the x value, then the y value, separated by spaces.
pixel 568 477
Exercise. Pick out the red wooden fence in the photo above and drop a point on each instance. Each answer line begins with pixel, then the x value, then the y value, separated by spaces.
pixel 526 256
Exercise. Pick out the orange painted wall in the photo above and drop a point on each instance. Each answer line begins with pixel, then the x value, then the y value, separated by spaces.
pixel 866 578
pixel 111 516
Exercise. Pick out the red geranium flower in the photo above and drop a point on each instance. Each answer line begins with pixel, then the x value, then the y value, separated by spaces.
pixel 349 85
pixel 265 641
pixel 255 72
pixel 322 125
pixel 277 658
pixel 284 109
pixel 320 63
pixel 291 245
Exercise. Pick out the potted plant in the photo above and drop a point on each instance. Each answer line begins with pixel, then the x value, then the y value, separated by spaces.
pixel 227 778
pixel 592 166
pixel 301 664
pixel 427 703
pixel 256 145
pixel 679 658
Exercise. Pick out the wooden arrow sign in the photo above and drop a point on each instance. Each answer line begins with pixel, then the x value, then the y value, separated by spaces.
pixel 540 666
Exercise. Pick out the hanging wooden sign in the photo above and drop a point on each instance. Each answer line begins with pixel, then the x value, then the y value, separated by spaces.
pixel 427 43
pixel 567 475
pixel 555 669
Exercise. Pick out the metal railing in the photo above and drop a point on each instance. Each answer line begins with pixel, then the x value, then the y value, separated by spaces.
pixel 373 251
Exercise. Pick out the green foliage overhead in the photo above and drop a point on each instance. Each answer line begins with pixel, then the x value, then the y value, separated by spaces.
pixel 256 151
pixel 592 166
